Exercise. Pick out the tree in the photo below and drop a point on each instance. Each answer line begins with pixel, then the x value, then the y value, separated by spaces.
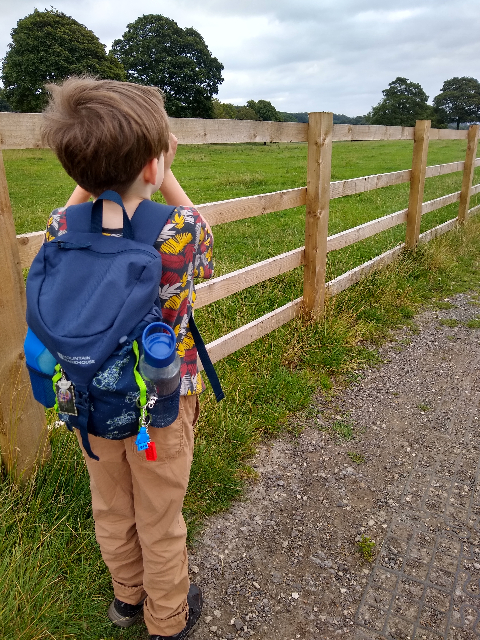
pixel 223 110
pixel 265 110
pixel 154 50
pixel 4 106
pixel 340 118
pixel 459 100
pixel 245 113
pixel 403 103
pixel 294 117
pixel 230 111
pixel 49 46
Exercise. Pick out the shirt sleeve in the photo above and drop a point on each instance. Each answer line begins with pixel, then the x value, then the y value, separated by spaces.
pixel 203 267
pixel 56 224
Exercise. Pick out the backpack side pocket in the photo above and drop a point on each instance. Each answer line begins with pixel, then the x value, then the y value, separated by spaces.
pixel 42 387
pixel 165 410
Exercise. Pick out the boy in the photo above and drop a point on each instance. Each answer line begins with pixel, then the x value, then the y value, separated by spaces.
pixel 115 135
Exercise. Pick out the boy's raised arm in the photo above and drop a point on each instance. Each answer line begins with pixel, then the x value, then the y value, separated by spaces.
pixel 171 189
pixel 78 196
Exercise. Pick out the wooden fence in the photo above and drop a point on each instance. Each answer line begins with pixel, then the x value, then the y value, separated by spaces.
pixel 21 418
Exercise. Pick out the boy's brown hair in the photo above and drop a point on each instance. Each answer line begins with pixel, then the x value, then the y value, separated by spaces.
pixel 104 131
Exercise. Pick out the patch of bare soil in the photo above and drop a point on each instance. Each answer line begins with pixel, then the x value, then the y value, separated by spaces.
pixel 285 563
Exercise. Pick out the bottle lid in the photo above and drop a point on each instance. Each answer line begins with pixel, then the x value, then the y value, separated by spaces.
pixel 159 344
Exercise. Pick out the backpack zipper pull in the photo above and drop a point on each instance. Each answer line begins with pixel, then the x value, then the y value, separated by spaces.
pixel 62 244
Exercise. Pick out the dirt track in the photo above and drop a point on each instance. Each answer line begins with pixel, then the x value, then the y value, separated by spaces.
pixel 284 565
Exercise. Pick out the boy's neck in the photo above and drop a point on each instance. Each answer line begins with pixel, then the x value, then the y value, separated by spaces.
pixel 112 213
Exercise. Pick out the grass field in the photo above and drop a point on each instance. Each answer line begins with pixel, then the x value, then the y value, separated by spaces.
pixel 53 581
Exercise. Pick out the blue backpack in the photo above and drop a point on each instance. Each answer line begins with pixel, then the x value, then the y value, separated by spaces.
pixel 89 298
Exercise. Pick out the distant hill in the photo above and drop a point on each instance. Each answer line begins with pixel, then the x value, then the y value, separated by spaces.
pixel 338 118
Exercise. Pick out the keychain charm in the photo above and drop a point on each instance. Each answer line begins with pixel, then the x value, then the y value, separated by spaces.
pixel 151 401
pixel 151 451
pixel 65 392
pixel 142 441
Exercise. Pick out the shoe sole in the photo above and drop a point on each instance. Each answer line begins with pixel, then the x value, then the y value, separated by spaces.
pixel 121 621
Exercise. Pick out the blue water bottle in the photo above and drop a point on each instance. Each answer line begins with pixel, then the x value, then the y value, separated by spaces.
pixel 41 367
pixel 160 364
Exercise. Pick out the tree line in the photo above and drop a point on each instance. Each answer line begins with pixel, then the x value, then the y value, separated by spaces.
pixel 403 103
pixel 48 46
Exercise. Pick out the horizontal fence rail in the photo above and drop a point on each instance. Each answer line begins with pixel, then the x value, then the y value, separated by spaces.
pixel 251 206
pixel 19 131
pixel 23 131
pixel 231 342
pixel 218 288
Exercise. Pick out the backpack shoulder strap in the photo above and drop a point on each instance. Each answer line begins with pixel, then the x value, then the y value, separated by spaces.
pixel 149 219
pixel 205 360
pixel 147 222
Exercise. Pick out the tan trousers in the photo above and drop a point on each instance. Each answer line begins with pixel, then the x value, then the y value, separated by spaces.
pixel 137 508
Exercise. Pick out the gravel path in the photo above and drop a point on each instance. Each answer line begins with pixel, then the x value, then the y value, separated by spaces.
pixel 284 564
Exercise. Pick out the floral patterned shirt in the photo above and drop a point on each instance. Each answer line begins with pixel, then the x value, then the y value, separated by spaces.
pixel 186 247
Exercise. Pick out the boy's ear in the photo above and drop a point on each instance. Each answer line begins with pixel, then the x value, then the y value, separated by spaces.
pixel 150 171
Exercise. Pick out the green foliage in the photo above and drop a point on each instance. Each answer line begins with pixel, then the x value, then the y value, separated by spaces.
pixel 246 113
pixel 4 105
pixel 261 110
pixel 232 111
pixel 265 110
pixel 459 100
pixel 223 110
pixel 358 458
pixel 404 102
pixel 366 548
pixel 449 322
pixel 48 46
pixel 424 407
pixel 473 324
pixel 342 429
pixel 155 51
pixel 339 118
pixel 295 117
pixel 441 304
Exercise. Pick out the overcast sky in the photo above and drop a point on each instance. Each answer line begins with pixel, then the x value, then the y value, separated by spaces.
pixel 303 55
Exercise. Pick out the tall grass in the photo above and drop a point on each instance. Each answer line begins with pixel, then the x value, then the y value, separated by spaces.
pixel 53 581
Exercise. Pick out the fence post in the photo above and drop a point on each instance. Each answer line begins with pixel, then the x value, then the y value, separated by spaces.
pixel 417 182
pixel 319 169
pixel 22 419
pixel 472 144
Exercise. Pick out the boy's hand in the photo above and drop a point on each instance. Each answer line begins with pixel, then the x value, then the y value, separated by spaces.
pixel 169 156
